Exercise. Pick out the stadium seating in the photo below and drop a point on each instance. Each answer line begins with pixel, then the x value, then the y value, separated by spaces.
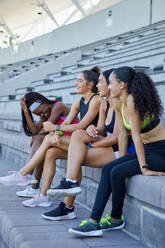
pixel 142 49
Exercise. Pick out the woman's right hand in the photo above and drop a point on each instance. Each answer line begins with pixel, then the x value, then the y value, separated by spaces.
pixel 55 139
pixel 92 131
pixel 23 103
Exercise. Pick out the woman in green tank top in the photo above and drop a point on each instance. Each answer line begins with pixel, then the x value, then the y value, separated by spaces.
pixel 137 112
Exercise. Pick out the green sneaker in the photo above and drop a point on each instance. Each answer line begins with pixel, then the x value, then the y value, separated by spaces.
pixel 107 224
pixel 87 229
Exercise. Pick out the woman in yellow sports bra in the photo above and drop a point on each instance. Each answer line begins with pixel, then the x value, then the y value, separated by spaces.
pixel 137 112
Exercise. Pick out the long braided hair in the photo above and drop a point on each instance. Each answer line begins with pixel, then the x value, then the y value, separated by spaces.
pixel 30 98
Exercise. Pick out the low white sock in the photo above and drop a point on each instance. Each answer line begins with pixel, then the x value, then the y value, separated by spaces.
pixel 72 181
pixel 69 208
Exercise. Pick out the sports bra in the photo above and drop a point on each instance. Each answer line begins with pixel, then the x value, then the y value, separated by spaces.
pixel 109 128
pixel 84 109
pixel 147 124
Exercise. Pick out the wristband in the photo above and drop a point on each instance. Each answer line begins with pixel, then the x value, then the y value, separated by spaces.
pixel 60 132
pixel 143 166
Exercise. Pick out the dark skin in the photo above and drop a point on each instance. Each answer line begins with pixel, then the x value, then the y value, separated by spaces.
pixel 54 111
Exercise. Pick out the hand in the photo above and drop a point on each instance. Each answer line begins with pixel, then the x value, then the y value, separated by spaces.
pixel 48 126
pixel 92 131
pixel 23 103
pixel 147 172
pixel 55 139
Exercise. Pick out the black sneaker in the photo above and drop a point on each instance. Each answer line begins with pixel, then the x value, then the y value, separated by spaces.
pixel 60 213
pixel 65 188
pixel 107 224
pixel 87 229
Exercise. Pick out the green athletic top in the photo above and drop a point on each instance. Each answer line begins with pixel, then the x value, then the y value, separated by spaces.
pixel 146 125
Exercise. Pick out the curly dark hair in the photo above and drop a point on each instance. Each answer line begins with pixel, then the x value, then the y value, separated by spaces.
pixel 30 98
pixel 143 90
pixel 92 76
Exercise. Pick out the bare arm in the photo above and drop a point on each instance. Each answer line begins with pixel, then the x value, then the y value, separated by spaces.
pixel 94 131
pixel 88 118
pixel 102 117
pixel 75 109
pixel 58 110
pixel 33 128
pixel 108 141
pixel 123 134
pixel 135 130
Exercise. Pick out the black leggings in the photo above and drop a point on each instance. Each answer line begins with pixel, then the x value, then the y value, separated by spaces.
pixel 114 174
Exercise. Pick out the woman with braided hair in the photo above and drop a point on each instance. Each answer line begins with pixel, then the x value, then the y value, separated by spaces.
pixel 54 111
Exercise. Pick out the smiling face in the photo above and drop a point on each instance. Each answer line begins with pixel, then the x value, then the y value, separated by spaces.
pixel 102 87
pixel 82 84
pixel 115 86
pixel 43 110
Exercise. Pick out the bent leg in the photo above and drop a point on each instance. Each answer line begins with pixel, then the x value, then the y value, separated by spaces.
pixel 40 154
pixel 38 139
pixel 105 189
pixel 95 157
pixel 77 152
pixel 127 169
pixel 50 167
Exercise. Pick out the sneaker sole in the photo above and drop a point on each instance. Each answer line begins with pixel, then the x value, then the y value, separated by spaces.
pixel 114 228
pixel 20 184
pixel 86 234
pixel 26 196
pixel 39 205
pixel 63 192
pixel 65 217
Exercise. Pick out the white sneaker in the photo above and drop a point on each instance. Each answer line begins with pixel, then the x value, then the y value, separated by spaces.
pixel 28 192
pixel 17 179
pixel 38 200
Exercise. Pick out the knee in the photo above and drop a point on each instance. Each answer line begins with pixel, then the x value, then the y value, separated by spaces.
pixel 116 174
pixel 52 153
pixel 47 139
pixel 78 134
pixel 106 169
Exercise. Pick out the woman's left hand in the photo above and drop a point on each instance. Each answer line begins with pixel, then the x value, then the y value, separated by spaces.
pixel 147 172
pixel 48 126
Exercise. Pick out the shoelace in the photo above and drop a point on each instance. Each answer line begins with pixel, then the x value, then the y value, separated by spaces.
pixel 106 219
pixel 28 188
pixel 83 222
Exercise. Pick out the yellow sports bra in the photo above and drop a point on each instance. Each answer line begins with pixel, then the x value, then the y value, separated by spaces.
pixel 146 125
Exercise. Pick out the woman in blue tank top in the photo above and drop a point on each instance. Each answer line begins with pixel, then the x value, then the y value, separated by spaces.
pixel 89 148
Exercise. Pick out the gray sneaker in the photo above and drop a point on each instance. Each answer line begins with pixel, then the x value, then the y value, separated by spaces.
pixel 28 192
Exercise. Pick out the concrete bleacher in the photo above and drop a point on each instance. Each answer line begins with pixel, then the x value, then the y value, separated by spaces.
pixel 143 49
